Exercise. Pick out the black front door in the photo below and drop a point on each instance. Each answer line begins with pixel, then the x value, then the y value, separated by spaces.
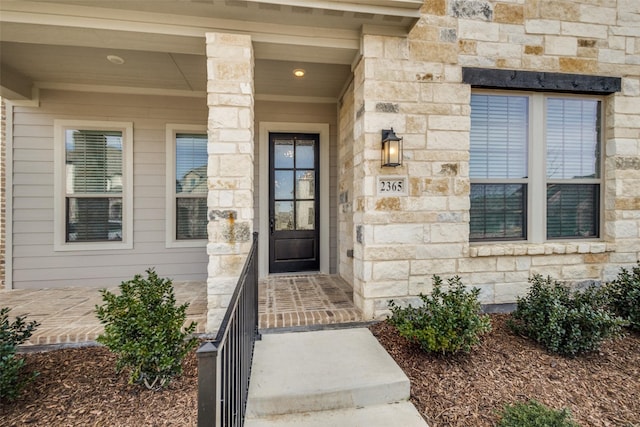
pixel 293 202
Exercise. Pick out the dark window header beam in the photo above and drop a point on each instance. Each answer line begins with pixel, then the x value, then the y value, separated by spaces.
pixel 540 81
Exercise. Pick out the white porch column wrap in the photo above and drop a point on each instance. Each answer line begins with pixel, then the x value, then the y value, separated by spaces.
pixel 230 170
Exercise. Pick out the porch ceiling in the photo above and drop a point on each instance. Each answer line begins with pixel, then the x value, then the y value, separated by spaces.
pixel 65 43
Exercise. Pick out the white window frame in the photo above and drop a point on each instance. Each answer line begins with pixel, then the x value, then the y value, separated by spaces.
pixel 60 127
pixel 537 166
pixel 172 129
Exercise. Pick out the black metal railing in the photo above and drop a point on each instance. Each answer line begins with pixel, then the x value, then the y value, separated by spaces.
pixel 224 365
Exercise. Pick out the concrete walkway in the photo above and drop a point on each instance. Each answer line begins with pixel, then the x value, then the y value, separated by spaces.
pixel 327 378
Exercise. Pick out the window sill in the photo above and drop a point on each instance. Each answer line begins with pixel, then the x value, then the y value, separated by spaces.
pixel 555 248
pixel 92 246
pixel 196 243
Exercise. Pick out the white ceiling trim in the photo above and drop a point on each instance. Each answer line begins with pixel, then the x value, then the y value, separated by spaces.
pixel 173 92
pixel 404 8
pixel 298 99
pixel 127 90
pixel 157 23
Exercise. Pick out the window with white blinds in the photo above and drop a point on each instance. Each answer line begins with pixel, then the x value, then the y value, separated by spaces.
pixel 93 161
pixel 93 185
pixel 573 167
pixel 187 188
pixel 191 186
pixel 499 136
pixel 526 145
pixel 498 167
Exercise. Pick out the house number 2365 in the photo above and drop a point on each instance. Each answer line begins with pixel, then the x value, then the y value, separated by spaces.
pixel 391 186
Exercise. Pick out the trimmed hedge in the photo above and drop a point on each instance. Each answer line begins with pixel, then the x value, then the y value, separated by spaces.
pixel 624 295
pixel 446 322
pixel 565 322
pixel 143 327
pixel 12 378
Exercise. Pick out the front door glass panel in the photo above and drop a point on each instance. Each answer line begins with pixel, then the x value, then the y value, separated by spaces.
pixel 294 158
pixel 305 215
pixel 283 185
pixel 283 153
pixel 284 216
pixel 294 235
pixel 305 184
pixel 305 154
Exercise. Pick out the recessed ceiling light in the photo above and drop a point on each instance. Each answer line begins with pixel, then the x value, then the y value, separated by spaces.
pixel 299 72
pixel 115 59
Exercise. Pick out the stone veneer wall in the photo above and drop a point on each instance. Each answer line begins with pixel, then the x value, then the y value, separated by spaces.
pixel 230 167
pixel 345 186
pixel 414 85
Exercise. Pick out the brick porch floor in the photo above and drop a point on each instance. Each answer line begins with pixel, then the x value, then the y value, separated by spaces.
pixel 67 315
pixel 315 299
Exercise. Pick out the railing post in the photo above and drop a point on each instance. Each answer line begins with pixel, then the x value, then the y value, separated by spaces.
pixel 224 365
pixel 254 284
pixel 207 384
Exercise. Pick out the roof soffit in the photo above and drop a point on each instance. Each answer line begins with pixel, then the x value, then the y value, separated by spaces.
pixel 311 31
pixel 332 19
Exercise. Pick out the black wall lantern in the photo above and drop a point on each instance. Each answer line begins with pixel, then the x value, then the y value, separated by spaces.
pixel 391 148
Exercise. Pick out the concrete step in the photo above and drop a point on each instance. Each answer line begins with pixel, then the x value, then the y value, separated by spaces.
pixel 322 371
pixel 402 414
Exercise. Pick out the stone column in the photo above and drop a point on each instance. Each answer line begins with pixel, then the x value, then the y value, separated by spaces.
pixel 230 170
pixel 403 238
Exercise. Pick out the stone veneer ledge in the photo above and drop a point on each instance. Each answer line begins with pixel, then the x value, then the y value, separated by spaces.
pixel 517 249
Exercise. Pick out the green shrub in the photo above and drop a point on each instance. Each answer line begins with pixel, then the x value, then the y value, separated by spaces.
pixel 534 414
pixel 564 322
pixel 446 322
pixel 12 334
pixel 624 295
pixel 143 326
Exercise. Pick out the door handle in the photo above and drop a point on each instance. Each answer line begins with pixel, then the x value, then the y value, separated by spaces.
pixel 272 224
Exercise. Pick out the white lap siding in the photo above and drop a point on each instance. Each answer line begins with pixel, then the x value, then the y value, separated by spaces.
pixel 35 263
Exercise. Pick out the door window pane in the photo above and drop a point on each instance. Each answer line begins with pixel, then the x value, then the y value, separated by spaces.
pixel 497 211
pixel 305 184
pixel 283 153
pixel 305 152
pixel 499 136
pixel 305 215
pixel 572 210
pixel 283 216
pixel 283 184
pixel 573 138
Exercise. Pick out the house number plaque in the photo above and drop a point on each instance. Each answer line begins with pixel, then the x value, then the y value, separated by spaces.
pixel 392 186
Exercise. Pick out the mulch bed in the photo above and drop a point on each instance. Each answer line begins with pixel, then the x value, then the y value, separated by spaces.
pixel 79 387
pixel 600 389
